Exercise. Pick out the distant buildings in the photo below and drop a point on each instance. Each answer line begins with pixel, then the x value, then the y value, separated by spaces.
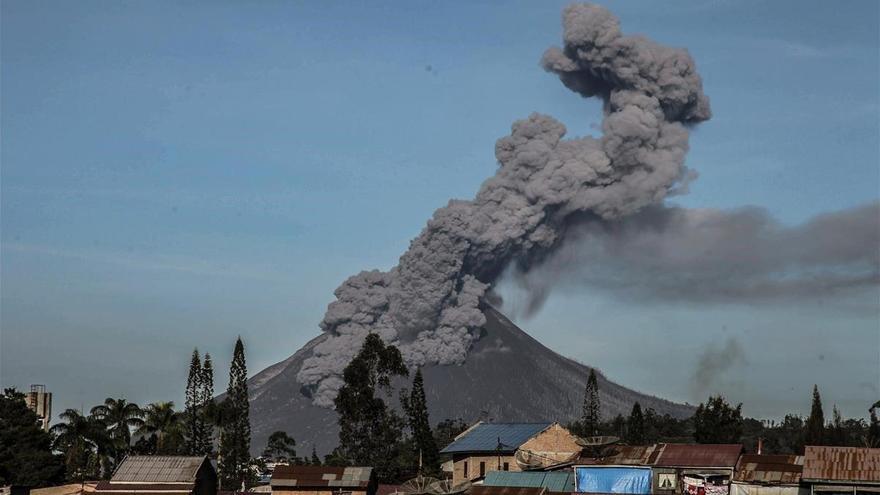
pixel 40 402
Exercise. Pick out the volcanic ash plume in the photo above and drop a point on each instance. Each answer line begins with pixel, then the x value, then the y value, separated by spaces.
pixel 429 303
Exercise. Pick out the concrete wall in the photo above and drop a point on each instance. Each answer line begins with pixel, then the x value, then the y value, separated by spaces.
pixel 554 444
pixel 492 463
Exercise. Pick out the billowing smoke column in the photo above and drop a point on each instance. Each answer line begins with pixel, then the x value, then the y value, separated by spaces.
pixel 429 303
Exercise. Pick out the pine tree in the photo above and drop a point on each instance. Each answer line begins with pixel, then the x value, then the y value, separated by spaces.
pixel 205 442
pixel 191 404
pixel 873 437
pixel 590 417
pixel 235 440
pixel 369 431
pixel 635 427
pixel 815 427
pixel 423 443
pixel 315 461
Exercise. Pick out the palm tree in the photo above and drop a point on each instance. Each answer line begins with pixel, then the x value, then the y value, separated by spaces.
pixel 79 438
pixel 119 416
pixel 160 419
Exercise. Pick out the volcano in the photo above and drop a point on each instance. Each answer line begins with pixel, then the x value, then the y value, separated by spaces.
pixel 507 376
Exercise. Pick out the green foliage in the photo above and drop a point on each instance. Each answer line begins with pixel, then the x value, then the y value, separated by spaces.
pixel 424 446
pixel 591 413
pixel 718 422
pixel 118 417
pixel 162 431
pixel 815 427
pixel 315 460
pixel 235 436
pixel 447 430
pixel 199 397
pixel 635 426
pixel 369 431
pixel 280 447
pixel 84 442
pixel 26 456
pixel 872 439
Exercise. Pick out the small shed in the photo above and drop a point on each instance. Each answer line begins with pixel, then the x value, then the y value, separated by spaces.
pixel 841 470
pixel 323 480
pixel 161 475
pixel 693 469
pixel 758 474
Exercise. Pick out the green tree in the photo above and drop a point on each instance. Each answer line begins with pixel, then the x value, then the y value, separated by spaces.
pixel 815 426
pixel 235 436
pixel 837 429
pixel 191 404
pixel 119 416
pixel 205 442
pixel 315 460
pixel 26 456
pixel 280 447
pixel 166 424
pixel 447 430
pixel 873 437
pixel 423 444
pixel 716 421
pixel 79 438
pixel 635 426
pixel 369 431
pixel 591 414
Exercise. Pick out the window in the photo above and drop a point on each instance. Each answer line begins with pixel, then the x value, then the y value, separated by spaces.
pixel 507 466
pixel 465 469
pixel 482 469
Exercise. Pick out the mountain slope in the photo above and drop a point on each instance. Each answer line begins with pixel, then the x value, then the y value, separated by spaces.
pixel 508 375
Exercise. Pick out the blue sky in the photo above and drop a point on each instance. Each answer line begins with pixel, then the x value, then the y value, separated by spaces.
pixel 175 174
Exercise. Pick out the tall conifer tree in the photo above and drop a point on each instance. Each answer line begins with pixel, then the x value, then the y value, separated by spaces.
pixel 590 416
pixel 416 407
pixel 235 439
pixel 815 427
pixel 635 427
pixel 205 444
pixel 193 429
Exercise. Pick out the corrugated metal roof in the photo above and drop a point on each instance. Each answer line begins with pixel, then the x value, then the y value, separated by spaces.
pixel 321 476
pixel 696 455
pixel 842 464
pixel 769 469
pixel 158 469
pixel 554 481
pixel 128 486
pixel 621 455
pixel 485 437
pixel 507 490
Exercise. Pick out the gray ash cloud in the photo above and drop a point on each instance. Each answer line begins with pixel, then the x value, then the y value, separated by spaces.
pixel 429 303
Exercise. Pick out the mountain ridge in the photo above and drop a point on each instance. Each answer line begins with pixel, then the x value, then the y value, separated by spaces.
pixel 507 376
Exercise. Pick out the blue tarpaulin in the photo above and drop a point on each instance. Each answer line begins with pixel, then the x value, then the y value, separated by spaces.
pixel 631 480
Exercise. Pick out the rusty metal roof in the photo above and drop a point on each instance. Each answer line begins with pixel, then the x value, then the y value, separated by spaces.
pixel 695 455
pixel 842 464
pixel 769 469
pixel 158 469
pixel 321 476
pixel 109 486
pixel 621 455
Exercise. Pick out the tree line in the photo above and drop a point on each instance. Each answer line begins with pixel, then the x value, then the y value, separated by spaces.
pixel 89 446
pixel 394 435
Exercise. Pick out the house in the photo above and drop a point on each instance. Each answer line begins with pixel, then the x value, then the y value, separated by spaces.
pixel 161 475
pixel 758 474
pixel 619 469
pixel 693 469
pixel 486 447
pixel 323 480
pixel 841 470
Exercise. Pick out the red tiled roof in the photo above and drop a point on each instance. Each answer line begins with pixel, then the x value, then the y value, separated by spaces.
pixel 696 455
pixel 770 469
pixel 842 464
pixel 321 477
